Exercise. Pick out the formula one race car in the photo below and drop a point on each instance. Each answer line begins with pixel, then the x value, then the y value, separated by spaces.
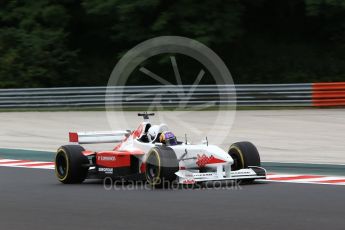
pixel 152 152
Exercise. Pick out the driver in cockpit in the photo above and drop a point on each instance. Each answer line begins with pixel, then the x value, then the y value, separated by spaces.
pixel 168 138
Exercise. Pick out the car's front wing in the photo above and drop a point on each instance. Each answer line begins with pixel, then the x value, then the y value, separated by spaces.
pixel 186 176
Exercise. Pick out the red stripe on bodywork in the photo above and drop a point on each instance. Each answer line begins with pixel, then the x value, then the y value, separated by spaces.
pixel 113 159
pixel 87 152
pixel 203 160
pixel 138 131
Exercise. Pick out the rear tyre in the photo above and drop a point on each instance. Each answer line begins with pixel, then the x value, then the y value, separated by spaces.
pixel 161 166
pixel 244 154
pixel 70 164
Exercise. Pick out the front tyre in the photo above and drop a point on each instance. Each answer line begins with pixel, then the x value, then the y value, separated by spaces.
pixel 161 166
pixel 70 164
pixel 244 154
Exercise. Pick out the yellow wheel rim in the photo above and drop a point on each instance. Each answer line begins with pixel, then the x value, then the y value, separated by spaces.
pixel 61 177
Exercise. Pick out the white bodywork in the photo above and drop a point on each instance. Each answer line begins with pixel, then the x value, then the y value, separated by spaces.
pixel 191 157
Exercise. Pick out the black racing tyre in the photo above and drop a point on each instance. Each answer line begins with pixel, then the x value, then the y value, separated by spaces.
pixel 161 166
pixel 244 154
pixel 70 164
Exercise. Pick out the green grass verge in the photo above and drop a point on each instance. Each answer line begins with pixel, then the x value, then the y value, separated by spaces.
pixel 22 154
pixel 303 168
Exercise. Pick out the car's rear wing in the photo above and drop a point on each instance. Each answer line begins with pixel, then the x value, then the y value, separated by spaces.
pixel 97 137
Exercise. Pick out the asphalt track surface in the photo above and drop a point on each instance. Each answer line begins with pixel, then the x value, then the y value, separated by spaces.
pixel 306 135
pixel 33 199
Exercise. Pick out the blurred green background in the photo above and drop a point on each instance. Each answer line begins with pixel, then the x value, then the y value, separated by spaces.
pixel 46 43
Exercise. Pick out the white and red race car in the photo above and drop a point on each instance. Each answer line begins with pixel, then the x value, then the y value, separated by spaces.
pixel 144 154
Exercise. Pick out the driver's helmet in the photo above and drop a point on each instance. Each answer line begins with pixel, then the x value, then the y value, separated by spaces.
pixel 153 132
pixel 168 138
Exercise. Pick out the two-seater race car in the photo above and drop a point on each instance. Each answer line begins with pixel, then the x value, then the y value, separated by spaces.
pixel 152 152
